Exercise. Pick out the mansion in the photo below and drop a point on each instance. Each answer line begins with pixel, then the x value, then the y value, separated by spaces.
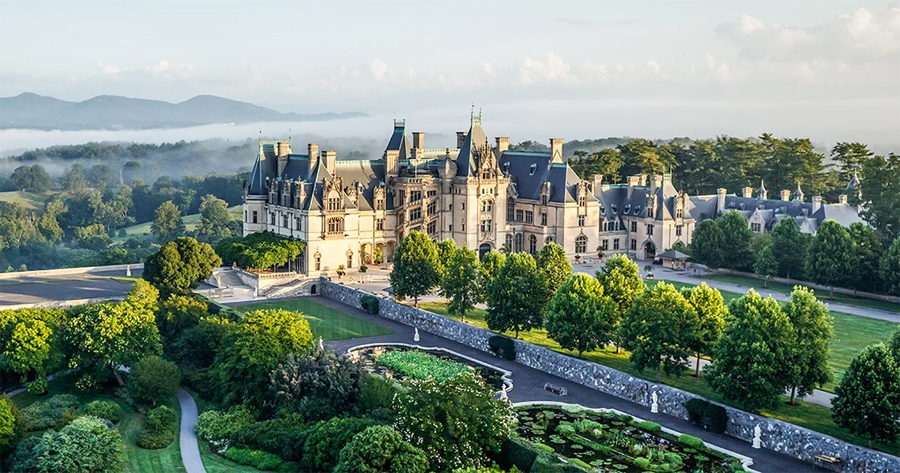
pixel 486 197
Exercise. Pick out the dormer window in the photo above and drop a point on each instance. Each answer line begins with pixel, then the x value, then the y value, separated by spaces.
pixel 532 169
pixel 637 209
pixel 627 208
pixel 614 208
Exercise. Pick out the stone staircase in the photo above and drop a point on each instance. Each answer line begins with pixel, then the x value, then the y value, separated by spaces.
pixel 228 278
pixel 297 287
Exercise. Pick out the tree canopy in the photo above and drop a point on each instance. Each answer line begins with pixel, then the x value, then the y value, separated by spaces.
pixel 831 259
pixel 711 313
pixel 867 401
pixel 381 448
pixel 461 282
pixel 708 244
pixel 812 327
pixel 552 260
pixel 260 250
pixel 180 264
pixel 517 296
pixel 416 268
pixel 579 316
pixel 167 224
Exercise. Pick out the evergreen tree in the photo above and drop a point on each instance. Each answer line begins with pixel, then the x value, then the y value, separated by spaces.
pixel 555 264
pixel 579 316
pixel 851 156
pixel 167 224
pixel 660 329
pixel 517 297
pixel 751 362
pixel 416 268
pixel 890 268
pixel 708 244
pixel 765 264
pixel 736 243
pixel 867 401
pixel 789 248
pixel 831 259
pixel 461 283
pixel 711 312
pixel 880 186
pixel 809 353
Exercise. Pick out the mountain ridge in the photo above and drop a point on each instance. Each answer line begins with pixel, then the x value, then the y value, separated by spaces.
pixel 114 112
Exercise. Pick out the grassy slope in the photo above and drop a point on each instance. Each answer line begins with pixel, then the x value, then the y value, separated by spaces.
pixel 191 221
pixel 807 415
pixel 139 460
pixel 822 295
pixel 324 321
pixel 29 200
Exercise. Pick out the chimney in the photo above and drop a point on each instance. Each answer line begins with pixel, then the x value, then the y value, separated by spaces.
pixel 282 150
pixel 419 139
pixel 785 195
pixel 633 181
pixel 720 199
pixel 842 199
pixel 816 203
pixel 556 155
pixel 313 150
pixel 392 162
pixel 643 181
pixel 502 144
pixel 655 183
pixel 330 158
pixel 460 138
pixel 598 181
pixel 747 192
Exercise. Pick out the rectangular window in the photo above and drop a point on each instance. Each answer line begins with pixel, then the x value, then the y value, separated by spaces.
pixel 634 226
pixel 544 199
pixel 297 224
pixel 379 224
pixel 379 204
pixel 432 228
pixel 432 208
pixel 520 215
pixel 318 263
pixel 649 229
pixel 415 195
pixel 756 227
pixel 633 245
pixel 255 217
pixel 529 217
pixel 463 206
pixel 616 244
pixel 451 206
pixel 271 218
pixel 581 220
pixel 432 193
pixel 415 214
pixel 284 221
pixel 245 216
pixel 678 230
pixel 510 211
pixel 605 244
pixel 450 228
pixel 544 219
pixel 486 226
pixel 463 228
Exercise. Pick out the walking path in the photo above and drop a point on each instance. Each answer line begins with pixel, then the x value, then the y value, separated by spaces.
pixel 528 386
pixel 190 451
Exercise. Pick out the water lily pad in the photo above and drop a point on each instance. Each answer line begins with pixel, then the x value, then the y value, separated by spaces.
pixel 576 447
pixel 620 467
pixel 557 439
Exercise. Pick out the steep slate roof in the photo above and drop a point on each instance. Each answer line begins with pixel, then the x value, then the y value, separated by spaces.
pixel 529 170
pixel 399 141
pixel 369 173
pixel 466 164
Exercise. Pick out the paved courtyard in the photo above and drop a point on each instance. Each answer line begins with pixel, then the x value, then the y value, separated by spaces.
pixel 41 289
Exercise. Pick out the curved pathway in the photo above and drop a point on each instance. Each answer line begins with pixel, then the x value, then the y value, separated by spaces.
pixel 190 451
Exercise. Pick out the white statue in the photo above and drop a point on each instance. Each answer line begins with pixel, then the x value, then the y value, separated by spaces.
pixel 321 344
pixel 654 405
pixel 757 441
pixel 416 336
pixel 503 396
pixel 128 270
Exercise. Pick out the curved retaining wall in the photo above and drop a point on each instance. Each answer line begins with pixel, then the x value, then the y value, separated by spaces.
pixel 776 435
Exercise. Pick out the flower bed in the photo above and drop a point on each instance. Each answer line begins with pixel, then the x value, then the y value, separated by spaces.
pixel 399 362
pixel 615 442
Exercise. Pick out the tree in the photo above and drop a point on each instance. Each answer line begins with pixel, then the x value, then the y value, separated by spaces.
pixel 416 269
pixel 260 250
pixel 457 422
pixel 490 266
pixel 880 186
pixel 73 179
pixel 517 296
pixel 867 401
pixel 789 247
pixel 765 264
pixel 92 237
pixel 868 250
pixel 12 424
pixel 180 264
pixel 621 280
pixel 890 268
pixel 552 260
pixel 660 329
pixel 178 313
pixel 606 162
pixel 445 249
pixel 850 156
pixel 579 316
pixel 751 363
pixel 31 178
pixel 737 237
pixel 322 448
pixel 895 346
pixel 31 343
pixel 708 243
pixel 809 353
pixel 461 282
pixel 317 386
pixel 381 448
pixel 101 337
pixel 831 257
pixel 215 219
pixel 167 224
pixel 711 313
pixel 86 445
pixel 152 379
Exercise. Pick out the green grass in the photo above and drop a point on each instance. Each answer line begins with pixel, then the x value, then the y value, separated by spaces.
pixel 212 462
pixel 139 460
pixel 811 416
pixel 29 200
pixel 142 230
pixel 852 334
pixel 822 295
pixel 325 322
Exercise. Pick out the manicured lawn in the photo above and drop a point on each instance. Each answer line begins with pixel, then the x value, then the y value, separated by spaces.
pixel 852 334
pixel 139 460
pixel 807 415
pixel 325 322
pixel 822 295
pixel 142 230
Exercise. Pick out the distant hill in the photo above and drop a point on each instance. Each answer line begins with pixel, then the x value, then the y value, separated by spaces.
pixel 113 112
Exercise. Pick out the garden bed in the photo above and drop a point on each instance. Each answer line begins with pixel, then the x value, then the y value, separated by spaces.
pixel 615 442
pixel 398 361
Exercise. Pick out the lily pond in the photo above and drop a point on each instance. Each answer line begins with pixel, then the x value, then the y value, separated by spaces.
pixel 611 442
pixel 399 362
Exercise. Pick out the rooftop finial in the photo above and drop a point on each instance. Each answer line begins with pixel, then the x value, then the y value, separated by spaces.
pixel 290 135
pixel 472 112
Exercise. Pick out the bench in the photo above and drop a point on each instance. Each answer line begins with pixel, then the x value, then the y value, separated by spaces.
pixel 555 389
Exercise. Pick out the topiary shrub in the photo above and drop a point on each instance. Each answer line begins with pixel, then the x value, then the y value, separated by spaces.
pixel 710 416
pixel 369 304
pixel 651 427
pixel 255 458
pixel 503 347
pixel 690 441
pixel 581 463
pixel 565 429
pixel 104 409
pixel 519 453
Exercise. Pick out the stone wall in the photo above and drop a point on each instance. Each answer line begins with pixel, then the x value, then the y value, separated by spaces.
pixel 780 436
pixel 66 271
pixel 62 304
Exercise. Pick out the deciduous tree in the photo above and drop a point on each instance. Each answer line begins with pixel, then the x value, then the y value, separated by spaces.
pixel 880 185
pixel 712 313
pixel 868 251
pixel 461 282
pixel 31 342
pixel 517 297
pixel 765 264
pixel 580 317
pixel 416 269
pixel 867 401
pixel 708 244
pixel 621 280
pixel 736 244
pixel 153 379
pixel 831 260
pixel 809 353
pixel 890 268
pixel 167 224
pixel 180 264
pixel 552 260
pixel 215 219
pixel 789 248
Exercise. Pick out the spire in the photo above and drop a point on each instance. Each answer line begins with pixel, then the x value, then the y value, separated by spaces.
pixel 798 194
pixel 854 182
pixel 762 193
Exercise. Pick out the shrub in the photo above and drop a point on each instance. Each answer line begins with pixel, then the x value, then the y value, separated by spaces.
pixel 581 463
pixel 376 392
pixel 282 437
pixel 690 441
pixel 255 458
pixel 104 409
pixel 710 416
pixel 327 438
pixel 161 416
pixel 25 457
pixel 503 347
pixel 87 444
pixel 673 459
pixel 47 413
pixel 381 448
pixel 159 430
pixel 369 304
pixel 518 453
pixel 642 463
pixel 565 429
pixel 546 448
pixel 12 424
pixel 153 379
pixel 651 427
pixel 217 425
pixel 587 425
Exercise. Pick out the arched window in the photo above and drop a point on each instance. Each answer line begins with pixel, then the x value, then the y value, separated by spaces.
pixel 549 239
pixel 487 205
pixel 335 225
pixel 581 244
pixel 509 241
pixel 520 243
pixel 532 244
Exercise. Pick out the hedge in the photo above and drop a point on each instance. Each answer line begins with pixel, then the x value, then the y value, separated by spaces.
pixel 369 304
pixel 690 441
pixel 709 415
pixel 651 427
pixel 519 453
pixel 255 458
pixel 503 347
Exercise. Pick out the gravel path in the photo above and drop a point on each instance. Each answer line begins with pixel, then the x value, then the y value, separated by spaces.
pixel 190 451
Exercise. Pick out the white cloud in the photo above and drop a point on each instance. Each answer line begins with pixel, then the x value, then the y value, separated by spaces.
pixel 552 69
pixel 379 69
pixel 488 69
pixel 107 69
pixel 710 61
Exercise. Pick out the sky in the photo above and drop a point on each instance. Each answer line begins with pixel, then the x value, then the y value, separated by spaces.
pixel 829 70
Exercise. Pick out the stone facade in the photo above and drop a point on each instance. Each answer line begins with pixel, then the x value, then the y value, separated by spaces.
pixel 776 435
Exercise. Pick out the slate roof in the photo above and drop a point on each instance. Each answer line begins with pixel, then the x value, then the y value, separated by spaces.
pixel 399 141
pixel 466 160
pixel 529 170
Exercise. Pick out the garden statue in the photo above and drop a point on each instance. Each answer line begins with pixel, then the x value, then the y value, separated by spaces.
pixel 321 344
pixel 128 270
pixel 503 396
pixel 654 406
pixel 416 336
pixel 757 441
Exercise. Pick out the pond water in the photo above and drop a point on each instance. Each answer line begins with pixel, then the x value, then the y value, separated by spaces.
pixel 368 358
pixel 612 442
